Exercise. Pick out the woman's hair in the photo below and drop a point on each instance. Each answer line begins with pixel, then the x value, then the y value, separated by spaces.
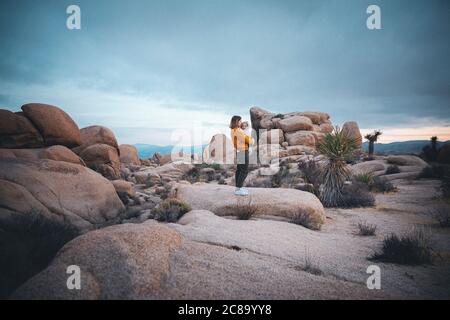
pixel 234 122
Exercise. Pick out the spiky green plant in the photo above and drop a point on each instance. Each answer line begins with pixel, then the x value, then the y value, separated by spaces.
pixel 337 147
pixel 372 138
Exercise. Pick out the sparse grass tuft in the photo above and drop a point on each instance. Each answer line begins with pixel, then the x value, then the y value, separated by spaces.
pixel 366 229
pixel 365 177
pixel 171 210
pixel 244 211
pixel 413 248
pixel 310 265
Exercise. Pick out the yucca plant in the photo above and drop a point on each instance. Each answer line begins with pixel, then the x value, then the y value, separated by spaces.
pixel 337 147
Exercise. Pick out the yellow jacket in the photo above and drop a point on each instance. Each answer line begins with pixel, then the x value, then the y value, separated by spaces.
pixel 241 140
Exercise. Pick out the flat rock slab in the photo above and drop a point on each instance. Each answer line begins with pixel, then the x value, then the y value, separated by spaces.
pixel 269 201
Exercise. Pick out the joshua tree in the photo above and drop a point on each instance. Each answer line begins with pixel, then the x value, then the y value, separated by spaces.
pixel 337 147
pixel 430 152
pixel 372 138
pixel 434 140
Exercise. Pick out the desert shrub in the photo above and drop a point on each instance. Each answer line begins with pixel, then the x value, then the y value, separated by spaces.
pixel 244 210
pixel 279 177
pixel 279 115
pixel 441 213
pixel 413 248
pixel 382 185
pixel 165 191
pixel 27 246
pixel 171 210
pixel 337 147
pixel 356 195
pixel 366 229
pixel 195 174
pixel 392 169
pixel 192 175
pixel 260 182
pixel 365 177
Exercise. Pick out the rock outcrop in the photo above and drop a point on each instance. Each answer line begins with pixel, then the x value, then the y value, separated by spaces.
pixel 294 129
pixel 409 167
pixel 54 124
pixel 165 173
pixel 59 190
pixel 206 257
pixel 275 202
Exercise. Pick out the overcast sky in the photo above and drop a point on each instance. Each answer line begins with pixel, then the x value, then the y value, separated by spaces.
pixel 146 68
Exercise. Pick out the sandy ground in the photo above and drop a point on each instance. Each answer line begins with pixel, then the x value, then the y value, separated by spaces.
pixel 265 259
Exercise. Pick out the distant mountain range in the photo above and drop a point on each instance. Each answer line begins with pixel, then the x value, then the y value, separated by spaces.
pixel 148 150
pixel 403 147
pixel 406 147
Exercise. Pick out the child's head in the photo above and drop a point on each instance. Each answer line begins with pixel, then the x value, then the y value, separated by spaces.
pixel 244 125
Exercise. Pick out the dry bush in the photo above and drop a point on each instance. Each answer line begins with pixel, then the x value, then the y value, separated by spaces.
pixel 366 229
pixel 413 248
pixel 244 210
pixel 171 210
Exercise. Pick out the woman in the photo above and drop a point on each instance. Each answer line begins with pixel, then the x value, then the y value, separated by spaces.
pixel 241 142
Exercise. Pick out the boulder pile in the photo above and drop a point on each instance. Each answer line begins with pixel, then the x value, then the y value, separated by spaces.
pixel 294 133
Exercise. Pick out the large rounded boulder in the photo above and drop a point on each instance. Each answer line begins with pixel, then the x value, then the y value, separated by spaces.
pixel 129 154
pixel 16 131
pixel 59 190
pixel 351 129
pixel 54 124
pixel 129 261
pixel 94 135
pixel 60 153
pixel 275 202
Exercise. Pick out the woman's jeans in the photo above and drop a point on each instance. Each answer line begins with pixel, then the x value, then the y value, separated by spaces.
pixel 242 158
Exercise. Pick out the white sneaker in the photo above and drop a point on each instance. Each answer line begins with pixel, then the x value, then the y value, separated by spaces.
pixel 241 192
pixel 245 189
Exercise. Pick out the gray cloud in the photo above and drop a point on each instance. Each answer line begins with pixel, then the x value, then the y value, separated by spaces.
pixel 207 54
